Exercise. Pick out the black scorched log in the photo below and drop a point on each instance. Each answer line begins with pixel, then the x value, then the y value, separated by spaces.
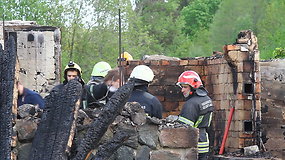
pixel 56 129
pixel 106 150
pixel 100 125
pixel 7 76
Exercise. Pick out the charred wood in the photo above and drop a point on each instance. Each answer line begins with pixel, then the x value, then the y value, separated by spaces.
pixel 106 150
pixel 7 74
pixel 57 123
pixel 100 125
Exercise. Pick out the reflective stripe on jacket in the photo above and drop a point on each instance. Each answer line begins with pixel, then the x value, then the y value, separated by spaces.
pixel 197 112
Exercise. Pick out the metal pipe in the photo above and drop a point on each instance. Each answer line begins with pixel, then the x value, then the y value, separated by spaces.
pixel 227 131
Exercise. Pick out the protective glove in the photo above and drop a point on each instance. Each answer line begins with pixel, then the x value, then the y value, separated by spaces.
pixel 172 118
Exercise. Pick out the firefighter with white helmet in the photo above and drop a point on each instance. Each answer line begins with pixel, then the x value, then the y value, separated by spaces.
pixel 197 111
pixel 142 75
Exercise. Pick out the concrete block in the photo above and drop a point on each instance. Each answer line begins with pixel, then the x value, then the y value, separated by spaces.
pixel 164 155
pixel 191 154
pixel 179 137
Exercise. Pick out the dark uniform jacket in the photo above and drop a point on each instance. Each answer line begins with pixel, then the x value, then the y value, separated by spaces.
pixel 150 103
pixel 31 97
pixel 197 112
pixel 97 92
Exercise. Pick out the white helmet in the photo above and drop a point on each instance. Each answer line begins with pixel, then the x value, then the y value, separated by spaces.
pixel 142 72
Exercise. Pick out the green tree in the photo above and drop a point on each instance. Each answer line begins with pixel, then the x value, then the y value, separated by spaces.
pixel 44 12
pixel 271 29
pixel 198 15
pixel 160 20
pixel 232 17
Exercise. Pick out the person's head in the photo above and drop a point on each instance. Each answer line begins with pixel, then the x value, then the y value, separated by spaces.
pixel 142 74
pixel 189 81
pixel 71 71
pixel 112 79
pixel 101 69
pixel 126 56
pixel 20 88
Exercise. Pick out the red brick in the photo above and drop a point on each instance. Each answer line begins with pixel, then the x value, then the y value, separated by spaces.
pixel 202 62
pixel 193 62
pixel 165 114
pixel 247 105
pixel 232 47
pixel 134 62
pixel 198 69
pixel 179 137
pixel 155 62
pixel 174 63
pixel 247 66
pixel 236 125
pixel 217 105
pixel 183 62
pixel 238 56
pixel 175 112
pixel 146 62
pixel 169 106
pixel 160 98
pixel 165 62
pixel 257 87
pixel 241 115
pixel 180 105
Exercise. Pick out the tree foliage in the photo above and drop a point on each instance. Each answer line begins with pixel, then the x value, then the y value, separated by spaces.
pixel 181 28
pixel 199 15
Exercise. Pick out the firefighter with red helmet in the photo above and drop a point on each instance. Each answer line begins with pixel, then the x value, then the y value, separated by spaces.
pixel 197 111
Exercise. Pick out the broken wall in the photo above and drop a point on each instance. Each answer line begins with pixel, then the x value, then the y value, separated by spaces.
pixel 38 53
pixel 232 79
pixel 273 105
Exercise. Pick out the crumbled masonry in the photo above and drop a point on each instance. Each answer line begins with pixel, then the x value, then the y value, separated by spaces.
pixel 106 117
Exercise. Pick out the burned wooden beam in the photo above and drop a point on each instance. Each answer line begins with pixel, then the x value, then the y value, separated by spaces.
pixel 106 117
pixel 56 129
pixel 106 150
pixel 7 74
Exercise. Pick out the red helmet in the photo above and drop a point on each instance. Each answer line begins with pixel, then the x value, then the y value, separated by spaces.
pixel 191 78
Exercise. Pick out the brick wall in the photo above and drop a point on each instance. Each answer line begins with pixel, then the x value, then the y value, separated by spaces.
pixel 237 69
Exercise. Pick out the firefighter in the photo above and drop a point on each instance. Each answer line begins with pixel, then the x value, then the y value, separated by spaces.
pixel 197 111
pixel 126 57
pixel 27 96
pixel 143 75
pixel 99 71
pixel 71 71
pixel 97 90
pixel 112 80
